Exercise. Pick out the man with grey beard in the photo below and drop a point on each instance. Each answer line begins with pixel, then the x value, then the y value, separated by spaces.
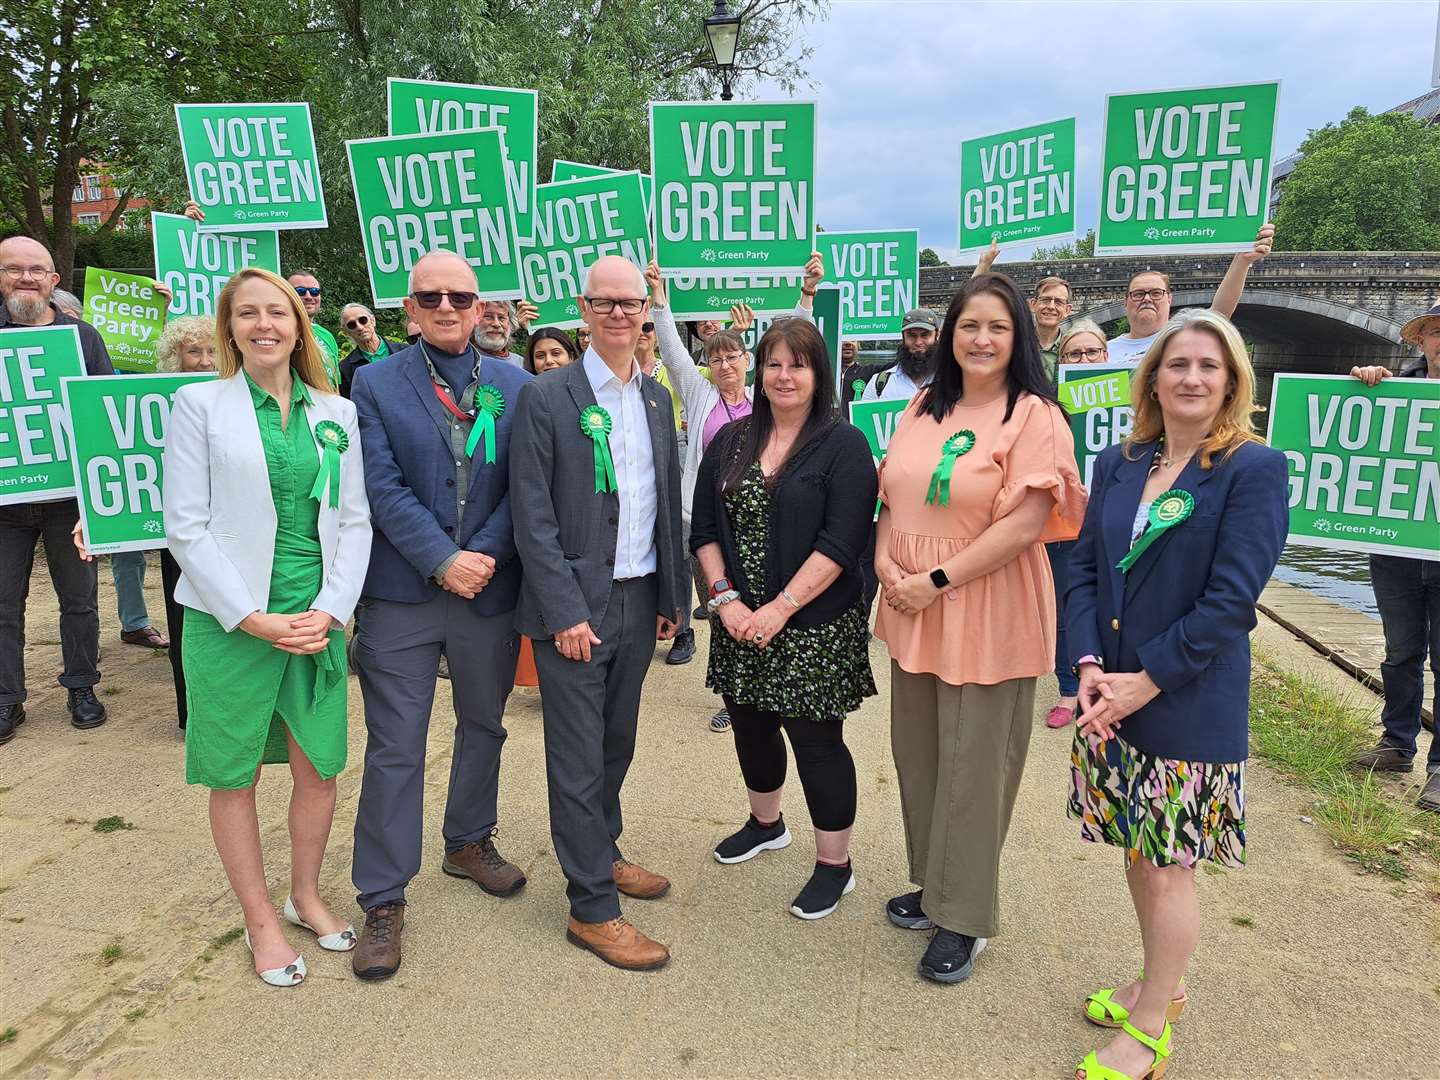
pixel 27 281
pixel 498 322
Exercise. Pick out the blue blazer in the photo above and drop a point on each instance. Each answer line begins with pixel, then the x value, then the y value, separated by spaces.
pixel 410 478
pixel 1185 610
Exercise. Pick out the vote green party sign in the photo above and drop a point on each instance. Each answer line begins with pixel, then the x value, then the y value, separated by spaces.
pixel 577 222
pixel 34 439
pixel 711 296
pixel 1364 462
pixel 418 192
pixel 1186 170
pixel 196 265
pixel 1018 187
pixel 119 424
pixel 252 167
pixel 561 170
pixel 734 185
pixel 128 313
pixel 417 107
pixel 1096 398
pixel 878 274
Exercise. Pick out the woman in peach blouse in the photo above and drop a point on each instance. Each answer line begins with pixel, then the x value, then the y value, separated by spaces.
pixel 979 474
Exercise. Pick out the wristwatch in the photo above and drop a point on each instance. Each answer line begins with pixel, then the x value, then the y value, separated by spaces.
pixel 720 585
pixel 939 578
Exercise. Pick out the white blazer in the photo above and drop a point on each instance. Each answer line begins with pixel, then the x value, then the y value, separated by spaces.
pixel 220 518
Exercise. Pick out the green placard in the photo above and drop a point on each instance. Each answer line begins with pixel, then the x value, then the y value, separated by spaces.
pixel 734 185
pixel 577 222
pixel 1186 170
pixel 878 274
pixel 1018 187
pixel 119 423
pixel 414 193
pixel 34 435
pixel 1364 462
pixel 1096 398
pixel 427 108
pixel 252 167
pixel 825 312
pixel 562 170
pixel 128 313
pixel 196 265
pixel 711 296
pixel 877 421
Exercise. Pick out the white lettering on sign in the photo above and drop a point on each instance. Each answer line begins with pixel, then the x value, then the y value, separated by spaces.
pixel 128 485
pixel 208 261
pixel 1006 196
pixel 734 210
pixel 109 313
pixel 271 175
pixel 438 117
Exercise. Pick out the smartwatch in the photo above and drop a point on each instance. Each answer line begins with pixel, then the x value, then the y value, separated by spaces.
pixel 939 579
pixel 720 585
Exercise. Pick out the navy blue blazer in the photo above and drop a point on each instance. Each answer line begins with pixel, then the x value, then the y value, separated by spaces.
pixel 1185 611
pixel 410 478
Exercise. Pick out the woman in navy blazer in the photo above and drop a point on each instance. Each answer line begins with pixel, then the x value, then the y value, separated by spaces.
pixel 1185 524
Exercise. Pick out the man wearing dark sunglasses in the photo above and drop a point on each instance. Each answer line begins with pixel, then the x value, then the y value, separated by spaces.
pixel 358 322
pixel 435 423
pixel 307 287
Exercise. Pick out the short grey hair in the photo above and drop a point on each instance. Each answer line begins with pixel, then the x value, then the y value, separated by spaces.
pixel 67 302
pixel 510 313
pixel 435 253
pixel 1079 326
pixel 356 305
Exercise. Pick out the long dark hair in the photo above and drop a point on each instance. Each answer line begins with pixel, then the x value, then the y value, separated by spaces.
pixel 805 343
pixel 1026 373
pixel 553 333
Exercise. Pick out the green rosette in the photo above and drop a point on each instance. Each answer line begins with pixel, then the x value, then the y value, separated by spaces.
pixel 332 441
pixel 489 407
pixel 857 389
pixel 1169 509
pixel 957 446
pixel 595 422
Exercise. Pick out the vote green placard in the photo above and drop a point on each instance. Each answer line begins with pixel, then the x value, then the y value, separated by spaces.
pixel 252 167
pixel 1186 170
pixel 734 185
pixel 577 222
pixel 418 192
pixel 417 107
pixel 877 421
pixel 1364 462
pixel 34 430
pixel 119 424
pixel 196 265
pixel 1018 187
pixel 128 313
pixel 711 296
pixel 1096 397
pixel 878 274
pixel 562 170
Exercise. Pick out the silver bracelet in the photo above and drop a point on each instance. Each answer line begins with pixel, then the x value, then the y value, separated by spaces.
pixel 792 601
pixel 715 603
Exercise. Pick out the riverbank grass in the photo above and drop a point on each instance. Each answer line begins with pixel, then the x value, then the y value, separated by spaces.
pixel 1309 734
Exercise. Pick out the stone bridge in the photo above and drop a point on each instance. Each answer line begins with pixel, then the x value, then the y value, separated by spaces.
pixel 1307 311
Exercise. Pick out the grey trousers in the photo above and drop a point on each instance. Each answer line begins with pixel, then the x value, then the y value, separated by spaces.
pixel 397 651
pixel 591 710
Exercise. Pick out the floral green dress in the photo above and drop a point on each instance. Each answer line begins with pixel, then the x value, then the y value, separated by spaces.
pixel 813 672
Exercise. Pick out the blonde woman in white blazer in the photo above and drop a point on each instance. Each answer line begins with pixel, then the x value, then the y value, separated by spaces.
pixel 266 514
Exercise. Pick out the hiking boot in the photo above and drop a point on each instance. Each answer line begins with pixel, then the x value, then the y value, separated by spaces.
pixel 950 956
pixel 752 839
pixel 85 709
pixel 905 912
pixel 485 866
pixel 618 943
pixel 378 954
pixel 1385 758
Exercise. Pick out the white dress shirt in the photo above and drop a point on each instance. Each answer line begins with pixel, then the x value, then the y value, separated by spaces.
pixel 634 458
pixel 898 387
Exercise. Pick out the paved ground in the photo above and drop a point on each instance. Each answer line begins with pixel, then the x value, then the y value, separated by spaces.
pixel 1306 969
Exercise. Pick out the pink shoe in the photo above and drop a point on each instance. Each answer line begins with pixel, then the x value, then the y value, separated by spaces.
pixel 1059 717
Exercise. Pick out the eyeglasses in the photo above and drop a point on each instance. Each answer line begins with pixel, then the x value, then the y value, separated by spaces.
pixel 1051 301
pixel 1087 355
pixel 721 359
pixel 1146 294
pixel 604 305
pixel 39 273
pixel 307 290
pixel 359 320
pixel 458 300
pixel 647 328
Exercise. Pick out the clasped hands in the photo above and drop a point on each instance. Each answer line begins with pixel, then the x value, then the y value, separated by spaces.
pixel 304 634
pixel 468 574
pixel 758 627
pixel 1107 698
pixel 908 594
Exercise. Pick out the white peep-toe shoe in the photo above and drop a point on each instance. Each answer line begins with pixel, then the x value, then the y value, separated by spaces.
pixel 289 975
pixel 344 941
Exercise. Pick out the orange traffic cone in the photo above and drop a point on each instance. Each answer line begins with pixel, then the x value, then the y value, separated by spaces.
pixel 525 665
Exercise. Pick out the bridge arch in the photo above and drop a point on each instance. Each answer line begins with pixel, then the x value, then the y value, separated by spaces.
pixel 1286 319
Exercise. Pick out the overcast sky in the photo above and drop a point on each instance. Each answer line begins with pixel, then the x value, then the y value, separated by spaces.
pixel 901 82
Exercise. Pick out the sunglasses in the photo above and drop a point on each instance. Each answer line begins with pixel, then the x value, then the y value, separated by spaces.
pixel 307 290
pixel 458 300
pixel 359 320
pixel 647 328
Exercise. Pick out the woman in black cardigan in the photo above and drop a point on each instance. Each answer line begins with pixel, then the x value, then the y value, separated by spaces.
pixel 783 504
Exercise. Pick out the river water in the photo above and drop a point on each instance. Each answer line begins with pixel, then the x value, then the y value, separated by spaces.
pixel 1342 576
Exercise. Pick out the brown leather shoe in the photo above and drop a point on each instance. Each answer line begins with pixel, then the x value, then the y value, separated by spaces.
pixel 1384 758
pixel 1430 796
pixel 147 636
pixel 378 954
pixel 637 882
pixel 485 866
pixel 619 944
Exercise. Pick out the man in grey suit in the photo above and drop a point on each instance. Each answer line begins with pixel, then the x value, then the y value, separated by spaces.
pixel 595 483
pixel 435 422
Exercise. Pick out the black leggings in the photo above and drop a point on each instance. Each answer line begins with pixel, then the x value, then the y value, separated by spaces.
pixel 827 771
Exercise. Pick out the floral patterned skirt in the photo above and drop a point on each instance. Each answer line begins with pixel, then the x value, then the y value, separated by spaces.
pixel 1170 812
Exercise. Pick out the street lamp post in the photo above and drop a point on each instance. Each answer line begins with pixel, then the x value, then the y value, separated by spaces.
pixel 722 31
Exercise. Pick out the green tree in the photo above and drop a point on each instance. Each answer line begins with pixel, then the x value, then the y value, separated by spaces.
pixel 1370 183
pixel 1083 248
pixel 930 257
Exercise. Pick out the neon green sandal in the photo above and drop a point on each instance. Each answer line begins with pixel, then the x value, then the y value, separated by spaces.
pixel 1091 1069
pixel 1103 1011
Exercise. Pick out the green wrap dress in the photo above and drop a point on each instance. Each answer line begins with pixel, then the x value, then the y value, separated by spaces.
pixel 243 692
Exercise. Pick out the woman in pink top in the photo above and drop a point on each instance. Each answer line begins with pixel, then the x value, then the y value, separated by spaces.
pixel 979 474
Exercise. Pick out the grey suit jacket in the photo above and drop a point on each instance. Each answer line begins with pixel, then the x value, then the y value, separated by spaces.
pixel 565 531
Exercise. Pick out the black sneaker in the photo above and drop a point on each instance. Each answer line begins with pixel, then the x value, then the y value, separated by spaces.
pixel 700 612
pixel 751 840
pixel 906 912
pixel 821 894
pixel 682 649
pixel 11 717
pixel 85 709
pixel 950 956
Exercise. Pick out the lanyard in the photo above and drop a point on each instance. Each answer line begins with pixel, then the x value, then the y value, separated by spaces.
pixel 466 407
